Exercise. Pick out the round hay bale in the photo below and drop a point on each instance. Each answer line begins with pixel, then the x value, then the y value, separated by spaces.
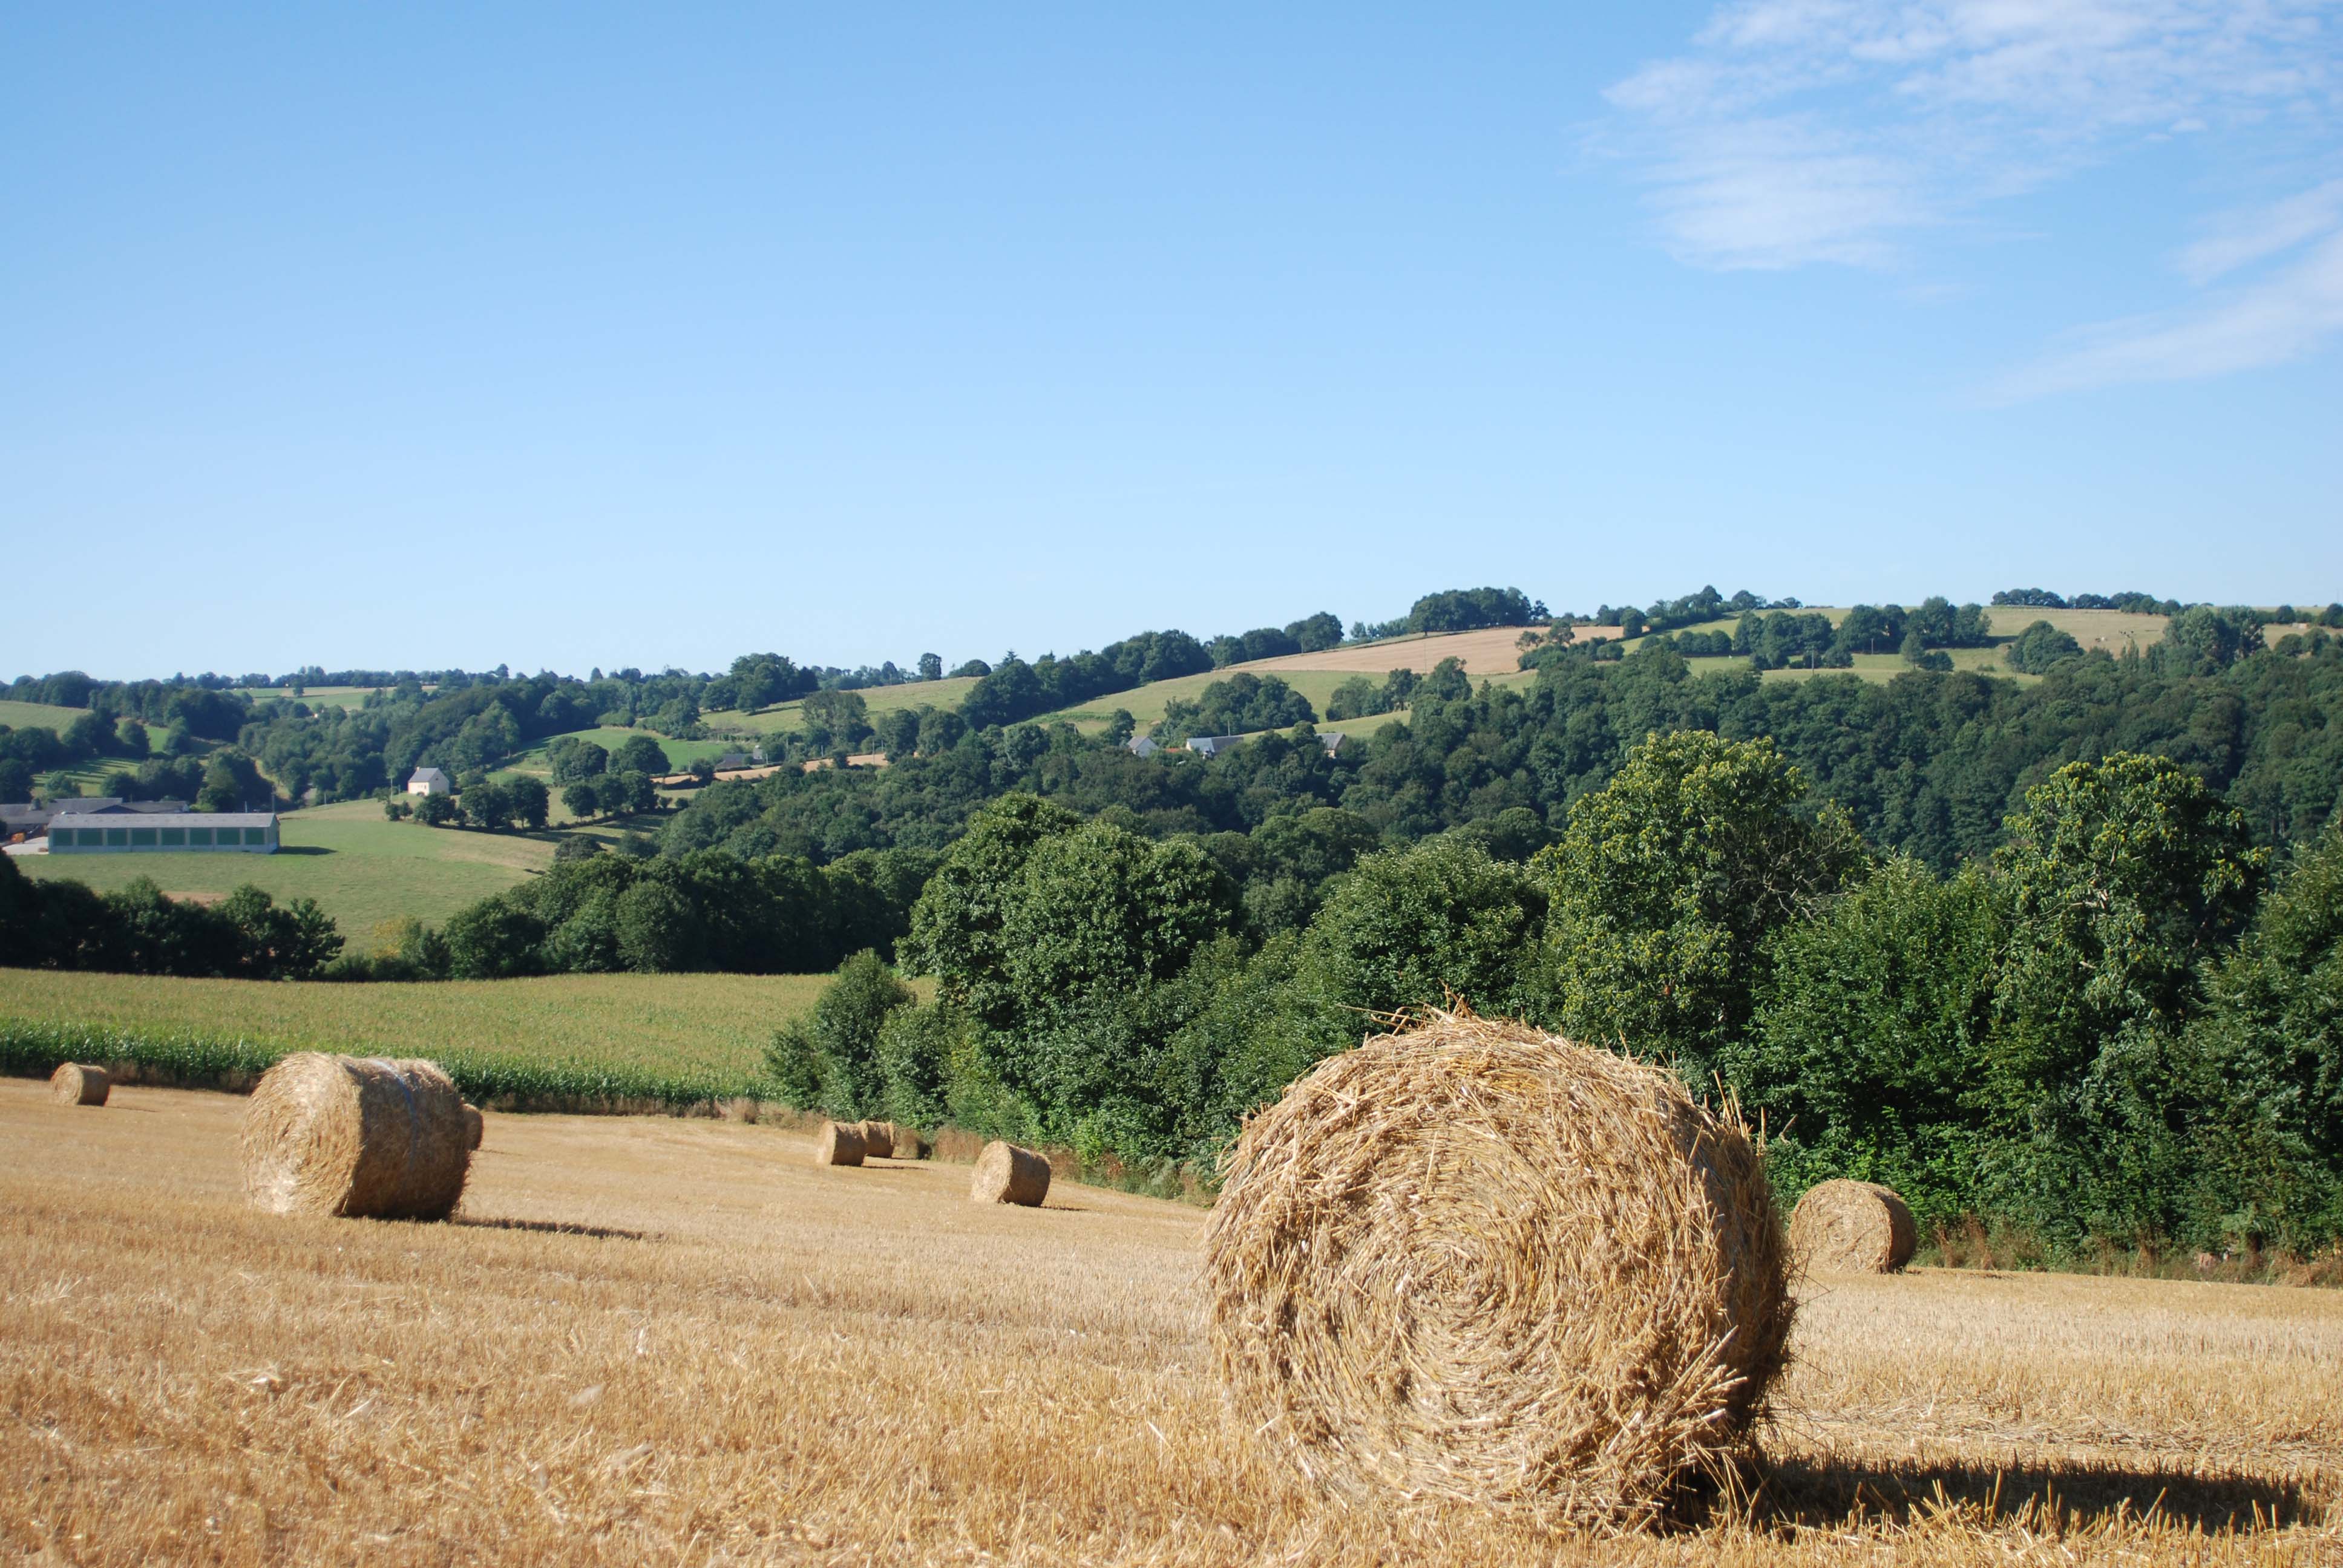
pixel 908 1144
pixel 838 1143
pixel 474 1125
pixel 1852 1227
pixel 77 1083
pixel 360 1137
pixel 1478 1262
pixel 877 1138
pixel 1008 1174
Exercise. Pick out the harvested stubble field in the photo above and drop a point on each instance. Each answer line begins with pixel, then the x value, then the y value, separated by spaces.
pixel 654 1341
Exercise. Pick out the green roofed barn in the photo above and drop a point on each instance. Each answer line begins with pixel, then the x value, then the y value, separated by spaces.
pixel 244 832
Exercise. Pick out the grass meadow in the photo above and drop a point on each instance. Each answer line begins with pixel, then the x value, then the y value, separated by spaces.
pixel 664 1340
pixel 363 870
pixel 36 715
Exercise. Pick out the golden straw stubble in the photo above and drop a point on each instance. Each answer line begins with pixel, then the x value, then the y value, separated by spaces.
pixel 356 1136
pixel 1478 1262
pixel 1852 1227
pixel 1006 1173
pixel 838 1143
pixel 78 1083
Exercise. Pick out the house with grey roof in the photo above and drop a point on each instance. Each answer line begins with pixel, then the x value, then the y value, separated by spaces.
pixel 1141 746
pixel 1211 745
pixel 429 781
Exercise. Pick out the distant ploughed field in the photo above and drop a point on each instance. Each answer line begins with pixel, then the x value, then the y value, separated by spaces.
pixel 661 1341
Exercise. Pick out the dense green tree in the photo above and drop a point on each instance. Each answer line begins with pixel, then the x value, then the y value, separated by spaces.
pixel 1668 884
pixel 956 926
pixel 640 754
pixel 1871 1034
pixel 527 799
pixel 1098 910
pixel 2123 876
pixel 829 1059
pixel 2040 645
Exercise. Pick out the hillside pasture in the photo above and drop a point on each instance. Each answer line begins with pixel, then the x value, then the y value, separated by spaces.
pixel 789 717
pixel 315 696
pixel 363 870
pixel 662 1340
pixel 533 759
pixel 37 715
pixel 1492 650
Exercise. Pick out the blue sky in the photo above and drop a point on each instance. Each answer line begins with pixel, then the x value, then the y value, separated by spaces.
pixel 571 336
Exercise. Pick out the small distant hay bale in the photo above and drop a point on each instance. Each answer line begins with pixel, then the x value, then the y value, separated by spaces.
pixel 1006 1173
pixel 1476 1262
pixel 1853 1228
pixel 357 1136
pixel 877 1138
pixel 474 1125
pixel 78 1083
pixel 908 1144
pixel 838 1143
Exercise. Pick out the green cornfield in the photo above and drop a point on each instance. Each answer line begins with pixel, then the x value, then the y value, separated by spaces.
pixel 564 1040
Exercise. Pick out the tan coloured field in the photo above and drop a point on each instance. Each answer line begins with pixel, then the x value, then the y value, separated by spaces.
pixel 652 1340
pixel 1492 651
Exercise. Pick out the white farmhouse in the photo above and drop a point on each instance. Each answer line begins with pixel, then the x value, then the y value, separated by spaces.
pixel 428 781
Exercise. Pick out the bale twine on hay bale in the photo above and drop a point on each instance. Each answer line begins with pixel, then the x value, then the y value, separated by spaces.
pixel 838 1143
pixel 1853 1228
pixel 360 1137
pixel 474 1125
pixel 877 1138
pixel 1475 1261
pixel 1008 1174
pixel 77 1083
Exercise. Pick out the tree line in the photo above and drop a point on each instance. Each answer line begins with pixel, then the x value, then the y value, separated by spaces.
pixel 2118 1028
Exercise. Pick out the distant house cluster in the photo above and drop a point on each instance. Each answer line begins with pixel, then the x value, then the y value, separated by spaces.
pixel 1213 745
pixel 107 825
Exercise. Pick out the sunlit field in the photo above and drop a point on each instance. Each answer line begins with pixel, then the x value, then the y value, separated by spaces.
pixel 663 1340
pixel 362 868
pixel 704 1034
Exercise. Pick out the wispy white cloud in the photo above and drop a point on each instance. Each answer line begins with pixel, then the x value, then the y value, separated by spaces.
pixel 1798 131
pixel 2281 318
pixel 2239 239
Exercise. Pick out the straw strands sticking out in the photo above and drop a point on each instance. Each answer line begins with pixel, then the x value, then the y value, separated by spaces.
pixel 1852 1227
pixel 1475 1261
pixel 359 1137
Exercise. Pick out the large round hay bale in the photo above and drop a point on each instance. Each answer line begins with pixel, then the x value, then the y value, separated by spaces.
pixel 908 1144
pixel 1008 1174
pixel 77 1083
pixel 1475 1261
pixel 877 1138
pixel 1852 1227
pixel 475 1126
pixel 356 1136
pixel 838 1143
